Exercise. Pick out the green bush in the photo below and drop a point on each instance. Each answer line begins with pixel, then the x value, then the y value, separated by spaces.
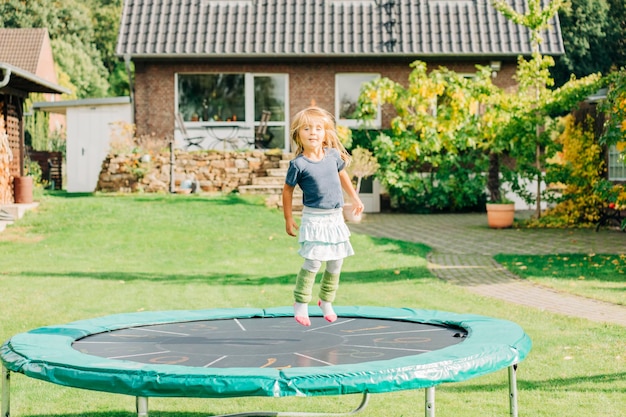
pixel 451 186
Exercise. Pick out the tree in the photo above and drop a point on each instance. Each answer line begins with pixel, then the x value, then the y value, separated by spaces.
pixel 533 75
pixel 106 22
pixel 429 160
pixel 443 117
pixel 87 74
pixel 82 35
pixel 616 33
pixel 585 25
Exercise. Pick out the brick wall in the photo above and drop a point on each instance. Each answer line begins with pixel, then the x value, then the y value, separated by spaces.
pixel 309 80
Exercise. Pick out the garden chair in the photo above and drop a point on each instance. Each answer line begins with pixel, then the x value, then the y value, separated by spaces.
pixel 190 140
pixel 262 137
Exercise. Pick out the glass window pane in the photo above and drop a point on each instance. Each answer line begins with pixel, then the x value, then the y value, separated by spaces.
pixel 269 94
pixel 348 89
pixel 276 136
pixel 212 97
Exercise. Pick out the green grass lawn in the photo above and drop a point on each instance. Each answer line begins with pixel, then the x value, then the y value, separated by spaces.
pixel 80 257
pixel 598 276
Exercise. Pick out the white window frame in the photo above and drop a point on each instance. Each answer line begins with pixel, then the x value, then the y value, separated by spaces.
pixel 249 105
pixel 616 165
pixel 341 82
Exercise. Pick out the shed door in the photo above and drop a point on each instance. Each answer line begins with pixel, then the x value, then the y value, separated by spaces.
pixel 88 137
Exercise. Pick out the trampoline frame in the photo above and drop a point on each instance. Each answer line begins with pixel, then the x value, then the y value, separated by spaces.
pixel 509 347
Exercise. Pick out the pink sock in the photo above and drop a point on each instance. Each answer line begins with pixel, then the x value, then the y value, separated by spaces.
pixel 327 310
pixel 301 313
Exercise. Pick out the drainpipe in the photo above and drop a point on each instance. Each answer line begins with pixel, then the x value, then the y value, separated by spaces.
pixel 131 87
pixel 7 76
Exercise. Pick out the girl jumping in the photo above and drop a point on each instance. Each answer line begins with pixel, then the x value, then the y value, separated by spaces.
pixel 318 169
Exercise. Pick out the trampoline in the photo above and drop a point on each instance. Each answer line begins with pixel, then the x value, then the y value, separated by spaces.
pixel 220 353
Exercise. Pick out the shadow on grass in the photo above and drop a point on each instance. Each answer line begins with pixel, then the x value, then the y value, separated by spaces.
pixel 159 413
pixel 379 275
pixel 570 384
pixel 65 194
pixel 567 267
pixel 226 199
pixel 384 247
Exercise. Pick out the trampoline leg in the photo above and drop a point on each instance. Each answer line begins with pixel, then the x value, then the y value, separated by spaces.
pixel 142 406
pixel 430 402
pixel 6 382
pixel 513 389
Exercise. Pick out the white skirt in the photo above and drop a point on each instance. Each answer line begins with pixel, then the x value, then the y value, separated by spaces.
pixel 324 235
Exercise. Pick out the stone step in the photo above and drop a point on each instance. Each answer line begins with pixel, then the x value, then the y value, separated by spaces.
pixel 18 210
pixel 260 189
pixel 267 189
pixel 272 184
pixel 277 202
pixel 268 181
pixel 277 172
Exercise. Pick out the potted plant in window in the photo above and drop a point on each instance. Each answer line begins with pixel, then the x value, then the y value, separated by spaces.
pixel 363 165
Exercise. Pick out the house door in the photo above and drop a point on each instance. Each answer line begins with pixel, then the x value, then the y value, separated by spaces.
pixel 370 195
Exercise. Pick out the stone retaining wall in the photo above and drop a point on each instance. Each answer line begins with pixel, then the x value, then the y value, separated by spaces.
pixel 213 171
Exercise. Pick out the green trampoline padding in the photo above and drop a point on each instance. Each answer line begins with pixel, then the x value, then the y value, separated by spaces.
pixel 488 345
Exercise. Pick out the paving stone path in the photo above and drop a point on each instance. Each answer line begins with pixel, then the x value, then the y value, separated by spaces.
pixel 463 248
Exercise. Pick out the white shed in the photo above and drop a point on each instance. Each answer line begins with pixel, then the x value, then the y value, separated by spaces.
pixel 89 129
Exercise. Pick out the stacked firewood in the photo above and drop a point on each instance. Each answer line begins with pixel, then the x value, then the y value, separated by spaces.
pixel 6 156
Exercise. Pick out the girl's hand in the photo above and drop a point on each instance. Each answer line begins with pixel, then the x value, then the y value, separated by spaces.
pixel 358 206
pixel 291 226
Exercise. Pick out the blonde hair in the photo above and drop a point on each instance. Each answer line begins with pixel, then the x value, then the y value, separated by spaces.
pixel 307 117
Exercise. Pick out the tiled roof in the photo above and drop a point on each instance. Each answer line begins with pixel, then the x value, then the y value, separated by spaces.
pixel 27 82
pixel 359 28
pixel 22 47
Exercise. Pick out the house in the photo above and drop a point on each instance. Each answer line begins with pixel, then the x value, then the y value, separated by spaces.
pixel 30 50
pixel 222 63
pixel 15 85
pixel 26 66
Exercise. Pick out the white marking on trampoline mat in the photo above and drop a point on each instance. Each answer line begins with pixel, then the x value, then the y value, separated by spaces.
pixel 337 323
pixel 139 354
pixel 215 361
pixel 313 359
pixel 240 325
pixel 162 331
pixel 390 348
pixel 398 332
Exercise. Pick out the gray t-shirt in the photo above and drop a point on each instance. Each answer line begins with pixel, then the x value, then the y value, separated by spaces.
pixel 319 180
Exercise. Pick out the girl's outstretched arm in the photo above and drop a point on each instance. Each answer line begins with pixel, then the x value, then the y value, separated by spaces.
pixel 346 184
pixel 290 224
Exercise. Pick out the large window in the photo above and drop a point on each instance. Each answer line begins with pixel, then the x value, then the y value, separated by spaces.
pixel 347 91
pixel 228 101
pixel 212 97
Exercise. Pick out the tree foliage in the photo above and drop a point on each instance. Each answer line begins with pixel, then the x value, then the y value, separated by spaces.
pixel 594 38
pixel 82 34
pixel 615 109
pixel 429 161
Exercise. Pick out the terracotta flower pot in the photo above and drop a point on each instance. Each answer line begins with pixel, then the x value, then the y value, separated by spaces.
pixel 500 216
pixel 23 190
